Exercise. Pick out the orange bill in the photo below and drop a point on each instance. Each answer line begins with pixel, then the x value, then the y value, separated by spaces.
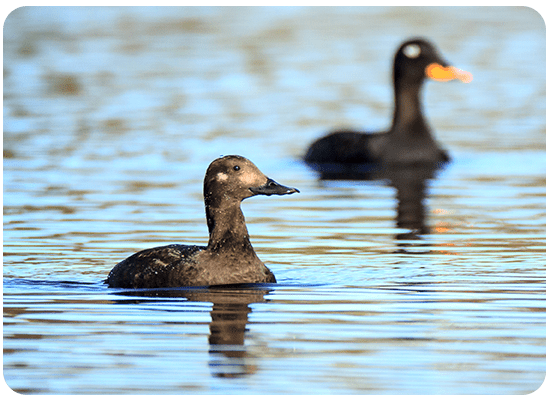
pixel 443 74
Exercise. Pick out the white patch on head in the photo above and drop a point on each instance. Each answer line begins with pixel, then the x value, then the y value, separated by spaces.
pixel 412 50
pixel 222 177
pixel 250 178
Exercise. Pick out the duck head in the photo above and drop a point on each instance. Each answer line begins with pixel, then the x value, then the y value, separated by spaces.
pixel 232 179
pixel 418 59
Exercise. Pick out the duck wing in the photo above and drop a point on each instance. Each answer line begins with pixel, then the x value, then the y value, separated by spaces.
pixel 147 267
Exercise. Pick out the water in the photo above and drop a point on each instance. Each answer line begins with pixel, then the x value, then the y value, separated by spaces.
pixel 111 117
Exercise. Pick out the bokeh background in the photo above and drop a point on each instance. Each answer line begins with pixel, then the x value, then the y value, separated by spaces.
pixel 111 117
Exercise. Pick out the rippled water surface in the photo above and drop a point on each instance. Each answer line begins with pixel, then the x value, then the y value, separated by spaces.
pixel 111 116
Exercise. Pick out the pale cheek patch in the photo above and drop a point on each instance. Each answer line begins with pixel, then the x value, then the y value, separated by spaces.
pixel 249 178
pixel 222 177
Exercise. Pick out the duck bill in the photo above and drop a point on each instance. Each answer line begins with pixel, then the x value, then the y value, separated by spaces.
pixel 272 187
pixel 440 73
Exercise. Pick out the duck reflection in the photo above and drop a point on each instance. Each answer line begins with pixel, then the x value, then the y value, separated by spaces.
pixel 229 316
pixel 410 184
pixel 410 181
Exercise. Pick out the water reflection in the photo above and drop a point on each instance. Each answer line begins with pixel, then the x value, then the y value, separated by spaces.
pixel 410 181
pixel 229 316
pixel 410 184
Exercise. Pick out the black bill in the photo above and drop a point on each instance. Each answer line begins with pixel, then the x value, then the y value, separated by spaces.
pixel 272 187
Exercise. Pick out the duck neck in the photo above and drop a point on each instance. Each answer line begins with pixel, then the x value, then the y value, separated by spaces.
pixel 227 228
pixel 407 117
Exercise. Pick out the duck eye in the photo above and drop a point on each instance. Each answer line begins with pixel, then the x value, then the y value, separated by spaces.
pixel 412 50
pixel 236 168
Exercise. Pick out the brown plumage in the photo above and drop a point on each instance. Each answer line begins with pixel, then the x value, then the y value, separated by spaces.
pixel 229 257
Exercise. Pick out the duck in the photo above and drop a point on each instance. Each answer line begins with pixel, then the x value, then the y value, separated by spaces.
pixel 228 258
pixel 409 139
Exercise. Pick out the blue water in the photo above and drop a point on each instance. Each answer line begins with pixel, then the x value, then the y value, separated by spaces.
pixel 111 117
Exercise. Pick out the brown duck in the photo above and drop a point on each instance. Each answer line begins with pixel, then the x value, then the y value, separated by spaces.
pixel 229 257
